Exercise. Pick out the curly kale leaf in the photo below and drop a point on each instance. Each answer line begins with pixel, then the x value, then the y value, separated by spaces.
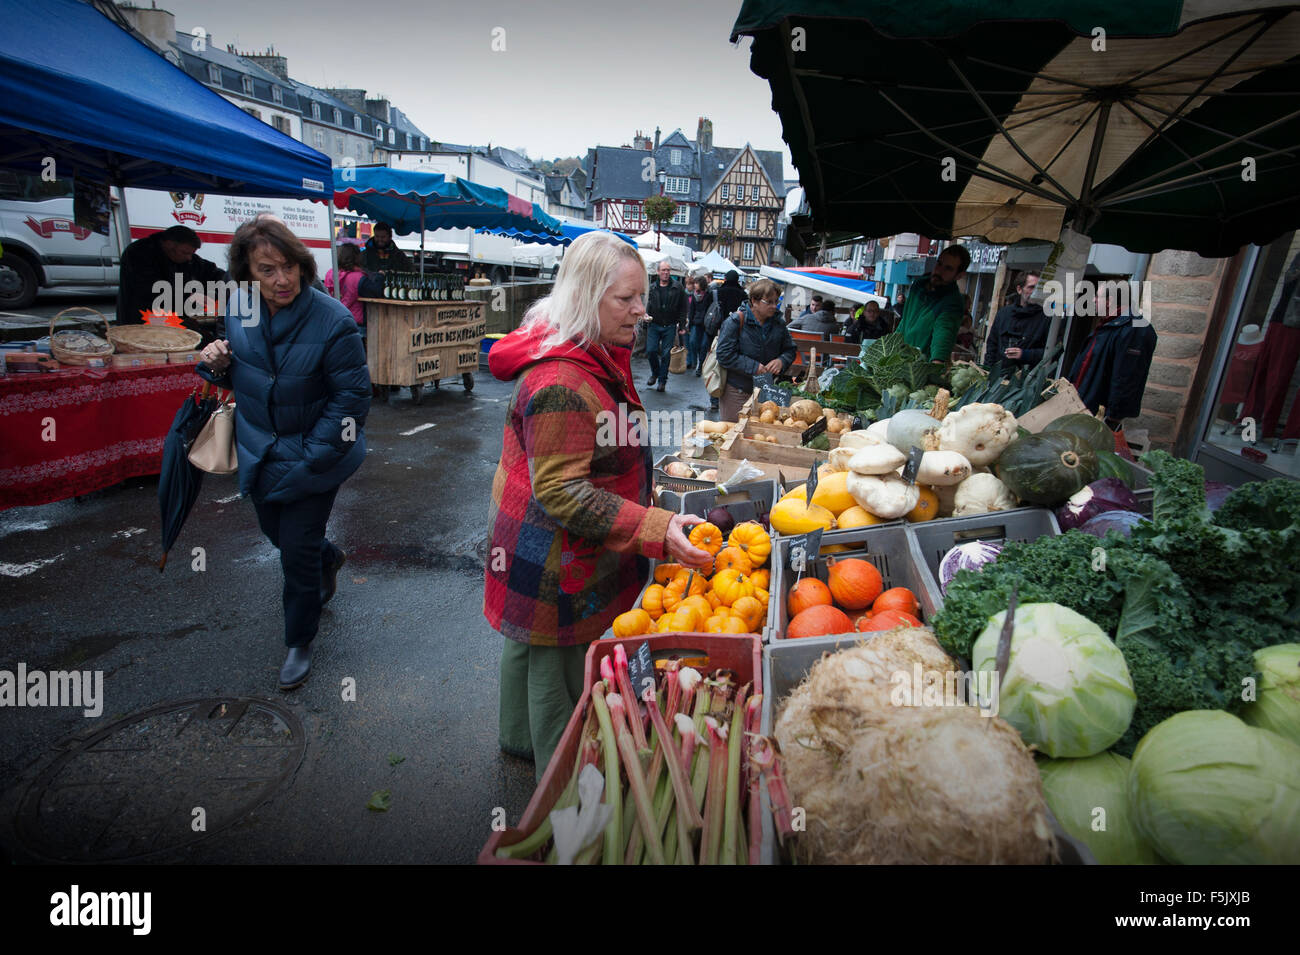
pixel 1273 505
pixel 1179 487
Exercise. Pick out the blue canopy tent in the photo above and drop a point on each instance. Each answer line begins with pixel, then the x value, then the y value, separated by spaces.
pixel 81 89
pixel 411 201
pixel 568 232
pixel 855 290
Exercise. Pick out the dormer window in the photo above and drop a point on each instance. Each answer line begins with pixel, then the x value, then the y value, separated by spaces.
pixel 338 116
pixel 247 82
pixel 214 74
pixel 315 110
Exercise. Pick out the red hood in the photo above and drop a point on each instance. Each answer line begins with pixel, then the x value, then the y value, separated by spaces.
pixel 518 351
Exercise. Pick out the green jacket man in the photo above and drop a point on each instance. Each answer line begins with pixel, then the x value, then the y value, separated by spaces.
pixel 935 307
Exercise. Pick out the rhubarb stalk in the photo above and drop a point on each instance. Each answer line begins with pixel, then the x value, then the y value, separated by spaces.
pixel 681 787
pixel 612 852
pixel 766 757
pixel 636 778
pixel 629 697
pixel 735 742
pixel 715 794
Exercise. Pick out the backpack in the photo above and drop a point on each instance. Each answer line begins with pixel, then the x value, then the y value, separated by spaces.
pixel 372 286
pixel 713 317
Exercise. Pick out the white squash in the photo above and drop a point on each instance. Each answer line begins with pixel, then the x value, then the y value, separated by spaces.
pixel 877 459
pixel 840 457
pixel 979 432
pixel 859 439
pixel 886 495
pixel 981 493
pixel 942 468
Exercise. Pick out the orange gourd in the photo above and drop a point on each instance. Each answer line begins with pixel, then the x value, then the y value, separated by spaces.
pixel 633 623
pixel 887 620
pixel 714 600
pixel 734 624
pixel 808 592
pixel 666 572
pixel 752 610
pixel 927 506
pixel 853 582
pixel 731 585
pixel 819 621
pixel 653 601
pixel 732 558
pixel 700 603
pixel 675 589
pixel 762 595
pixel 706 537
pixel 896 598
pixel 753 540
pixel 762 578
pixel 688 618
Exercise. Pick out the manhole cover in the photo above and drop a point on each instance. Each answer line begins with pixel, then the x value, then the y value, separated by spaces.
pixel 131 790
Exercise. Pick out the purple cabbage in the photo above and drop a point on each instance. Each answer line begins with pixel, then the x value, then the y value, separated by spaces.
pixel 1104 494
pixel 1121 521
pixel 1216 493
pixel 972 555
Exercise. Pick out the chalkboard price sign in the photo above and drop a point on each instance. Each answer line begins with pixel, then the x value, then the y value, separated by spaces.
pixel 803 545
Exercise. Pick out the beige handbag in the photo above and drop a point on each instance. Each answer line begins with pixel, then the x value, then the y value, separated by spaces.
pixel 677 360
pixel 213 450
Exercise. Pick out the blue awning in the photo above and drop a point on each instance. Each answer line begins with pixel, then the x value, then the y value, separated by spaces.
pixel 854 290
pixel 79 88
pixel 407 199
pixel 567 234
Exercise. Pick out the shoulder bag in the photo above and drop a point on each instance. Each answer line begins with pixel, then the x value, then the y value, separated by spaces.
pixel 715 376
pixel 213 450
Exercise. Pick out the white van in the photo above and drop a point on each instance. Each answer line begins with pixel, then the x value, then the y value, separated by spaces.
pixel 45 248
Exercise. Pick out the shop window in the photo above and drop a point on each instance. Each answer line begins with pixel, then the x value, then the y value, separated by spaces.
pixel 1255 413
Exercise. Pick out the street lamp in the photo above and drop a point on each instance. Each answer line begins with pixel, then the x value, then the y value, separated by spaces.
pixel 663 177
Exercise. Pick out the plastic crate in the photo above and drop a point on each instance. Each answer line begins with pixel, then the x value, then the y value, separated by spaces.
pixel 785 664
pixel 741 653
pixel 935 538
pixel 750 501
pixel 681 485
pixel 887 546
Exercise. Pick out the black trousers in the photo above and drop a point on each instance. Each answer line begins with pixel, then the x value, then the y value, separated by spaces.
pixel 297 529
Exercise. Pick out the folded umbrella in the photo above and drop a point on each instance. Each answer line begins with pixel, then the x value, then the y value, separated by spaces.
pixel 180 481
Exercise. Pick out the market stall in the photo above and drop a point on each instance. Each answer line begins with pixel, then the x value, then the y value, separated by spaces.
pixel 423 330
pixel 75 431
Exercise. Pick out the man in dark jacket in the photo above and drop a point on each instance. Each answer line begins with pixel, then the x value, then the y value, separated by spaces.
pixel 730 294
pixel 381 254
pixel 1111 371
pixel 666 313
pixel 1019 332
pixel 167 256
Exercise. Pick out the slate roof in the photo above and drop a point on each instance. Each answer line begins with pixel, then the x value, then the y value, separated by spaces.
pixel 232 68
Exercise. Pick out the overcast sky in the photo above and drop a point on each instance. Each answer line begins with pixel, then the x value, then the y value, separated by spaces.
pixel 574 73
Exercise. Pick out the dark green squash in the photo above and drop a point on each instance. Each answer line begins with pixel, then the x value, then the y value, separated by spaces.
pixel 1091 431
pixel 1112 465
pixel 1048 467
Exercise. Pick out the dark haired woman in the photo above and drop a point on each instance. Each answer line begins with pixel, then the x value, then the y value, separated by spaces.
pixel 293 358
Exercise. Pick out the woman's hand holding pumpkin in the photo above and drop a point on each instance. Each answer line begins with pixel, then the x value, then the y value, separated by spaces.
pixel 679 547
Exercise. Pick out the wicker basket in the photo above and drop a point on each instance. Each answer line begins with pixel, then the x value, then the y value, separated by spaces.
pixel 89 347
pixel 137 339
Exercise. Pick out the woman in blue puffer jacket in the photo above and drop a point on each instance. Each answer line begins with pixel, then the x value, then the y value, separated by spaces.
pixel 294 359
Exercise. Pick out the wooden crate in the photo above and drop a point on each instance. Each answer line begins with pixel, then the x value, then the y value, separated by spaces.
pixel 738 446
pixel 410 343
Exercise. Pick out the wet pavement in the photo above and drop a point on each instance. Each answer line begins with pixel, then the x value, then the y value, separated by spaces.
pixel 189 659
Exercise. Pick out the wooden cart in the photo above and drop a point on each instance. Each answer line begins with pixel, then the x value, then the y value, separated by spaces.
pixel 411 344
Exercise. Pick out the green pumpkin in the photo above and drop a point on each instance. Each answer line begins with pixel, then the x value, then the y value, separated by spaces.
pixel 1111 464
pixel 1047 468
pixel 1091 431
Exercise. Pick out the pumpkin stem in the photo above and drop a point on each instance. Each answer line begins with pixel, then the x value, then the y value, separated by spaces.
pixel 1069 459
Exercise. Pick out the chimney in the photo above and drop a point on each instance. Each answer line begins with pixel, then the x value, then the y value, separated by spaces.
pixel 640 141
pixel 378 108
pixel 158 27
pixel 704 134
pixel 656 137
pixel 353 98
pixel 270 61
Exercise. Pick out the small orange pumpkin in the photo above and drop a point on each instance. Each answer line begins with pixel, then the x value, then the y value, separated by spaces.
pixel 706 537
pixel 761 578
pixel 853 582
pixel 731 585
pixel 666 572
pixel 753 540
pixel 819 621
pixel 675 589
pixel 633 623
pixel 730 558
pixel 752 610
pixel 887 620
pixel 808 592
pixel 653 601
pixel 896 598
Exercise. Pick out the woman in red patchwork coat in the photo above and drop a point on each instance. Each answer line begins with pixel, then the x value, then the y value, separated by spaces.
pixel 571 526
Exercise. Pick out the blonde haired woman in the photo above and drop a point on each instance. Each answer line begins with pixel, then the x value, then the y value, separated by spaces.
pixel 571 526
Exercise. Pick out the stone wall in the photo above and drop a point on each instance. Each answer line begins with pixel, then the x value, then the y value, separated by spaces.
pixel 1185 292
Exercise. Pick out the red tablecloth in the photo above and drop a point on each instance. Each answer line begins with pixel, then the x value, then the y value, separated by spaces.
pixel 108 425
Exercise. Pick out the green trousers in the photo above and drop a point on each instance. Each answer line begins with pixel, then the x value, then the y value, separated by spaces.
pixel 540 686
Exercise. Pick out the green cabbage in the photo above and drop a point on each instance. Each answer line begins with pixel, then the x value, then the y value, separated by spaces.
pixel 1277 706
pixel 1207 789
pixel 1076 789
pixel 1067 688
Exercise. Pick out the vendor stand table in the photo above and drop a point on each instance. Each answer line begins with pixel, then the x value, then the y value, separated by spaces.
pixel 71 432
pixel 411 344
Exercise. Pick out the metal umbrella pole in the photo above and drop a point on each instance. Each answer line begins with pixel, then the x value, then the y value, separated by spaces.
pixel 422 239
pixel 334 254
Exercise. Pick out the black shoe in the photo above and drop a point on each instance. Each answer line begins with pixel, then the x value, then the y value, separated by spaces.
pixel 651 382
pixel 329 578
pixel 663 385
pixel 699 371
pixel 297 664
